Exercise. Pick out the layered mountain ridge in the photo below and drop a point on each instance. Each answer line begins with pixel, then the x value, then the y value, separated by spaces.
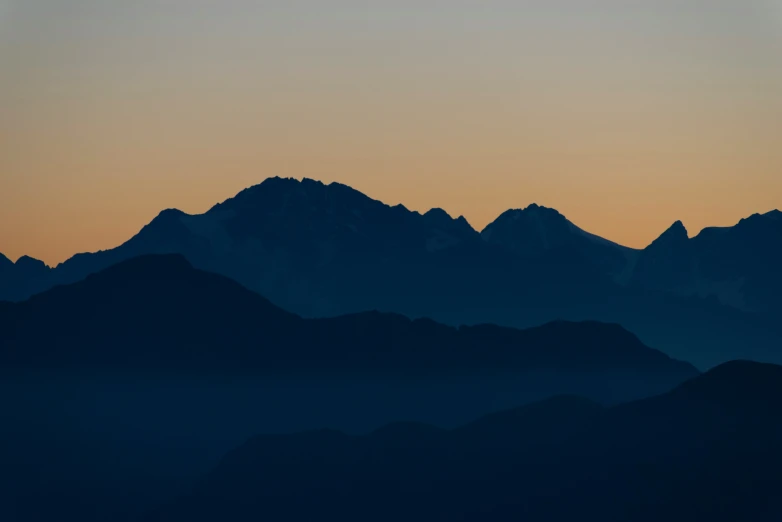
pixel 325 250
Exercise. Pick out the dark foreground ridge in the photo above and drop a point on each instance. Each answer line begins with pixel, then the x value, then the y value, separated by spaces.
pixel 158 312
pixel 707 451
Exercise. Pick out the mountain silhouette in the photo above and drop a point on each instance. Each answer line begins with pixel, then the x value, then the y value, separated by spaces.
pixel 160 312
pixel 536 229
pixel 706 451
pixel 326 250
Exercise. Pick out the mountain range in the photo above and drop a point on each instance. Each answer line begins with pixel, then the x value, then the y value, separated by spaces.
pixel 326 250
pixel 126 374
pixel 706 451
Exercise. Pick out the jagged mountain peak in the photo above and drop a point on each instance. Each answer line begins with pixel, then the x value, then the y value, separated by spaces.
pixel 277 194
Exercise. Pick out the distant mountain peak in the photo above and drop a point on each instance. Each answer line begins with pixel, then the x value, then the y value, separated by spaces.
pixel 536 229
pixel 675 233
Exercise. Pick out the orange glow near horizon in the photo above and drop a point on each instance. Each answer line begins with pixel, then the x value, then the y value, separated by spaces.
pixel 624 118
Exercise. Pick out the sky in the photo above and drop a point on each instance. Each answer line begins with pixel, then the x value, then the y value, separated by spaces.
pixel 625 115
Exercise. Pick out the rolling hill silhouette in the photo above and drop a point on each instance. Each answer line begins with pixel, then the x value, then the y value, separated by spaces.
pixel 326 250
pixel 706 451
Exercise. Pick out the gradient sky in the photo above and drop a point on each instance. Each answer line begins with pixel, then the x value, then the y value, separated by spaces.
pixel 624 115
